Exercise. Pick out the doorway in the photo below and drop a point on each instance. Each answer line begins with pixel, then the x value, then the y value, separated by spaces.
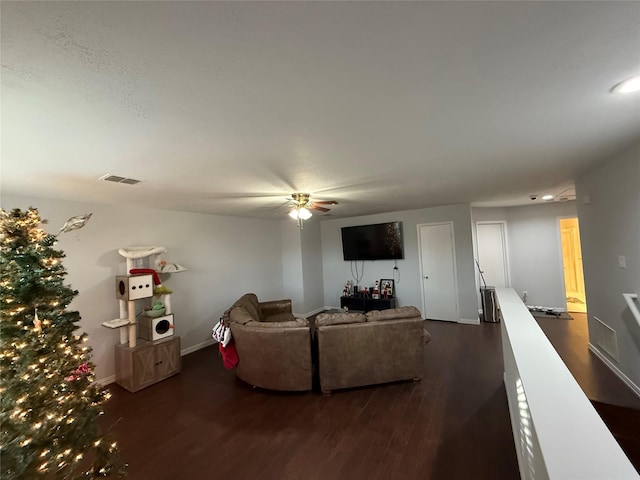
pixel 572 265
pixel 438 271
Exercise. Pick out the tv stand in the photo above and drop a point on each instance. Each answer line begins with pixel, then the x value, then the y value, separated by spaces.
pixel 365 304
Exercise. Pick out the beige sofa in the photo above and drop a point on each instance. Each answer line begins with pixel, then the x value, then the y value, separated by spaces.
pixel 357 349
pixel 274 348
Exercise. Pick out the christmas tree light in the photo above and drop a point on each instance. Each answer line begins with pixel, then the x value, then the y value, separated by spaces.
pixel 49 400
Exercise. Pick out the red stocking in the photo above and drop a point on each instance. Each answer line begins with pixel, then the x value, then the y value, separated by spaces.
pixel 229 355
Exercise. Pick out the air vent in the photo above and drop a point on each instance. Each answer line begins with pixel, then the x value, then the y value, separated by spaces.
pixel 605 337
pixel 117 179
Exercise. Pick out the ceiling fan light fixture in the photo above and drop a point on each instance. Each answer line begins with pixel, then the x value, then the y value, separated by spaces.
pixel 300 213
pixel 304 214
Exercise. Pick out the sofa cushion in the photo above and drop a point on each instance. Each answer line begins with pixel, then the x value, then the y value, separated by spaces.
pixel 298 322
pixel 240 315
pixel 393 314
pixel 250 303
pixel 339 318
pixel 279 317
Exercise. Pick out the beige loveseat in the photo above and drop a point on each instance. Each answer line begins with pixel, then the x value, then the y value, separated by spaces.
pixel 274 348
pixel 381 346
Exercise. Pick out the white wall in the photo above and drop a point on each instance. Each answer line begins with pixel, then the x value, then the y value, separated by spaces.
pixel 302 266
pixel 535 249
pixel 489 214
pixel 610 227
pixel 225 257
pixel 535 252
pixel 312 266
pixel 408 281
pixel 292 265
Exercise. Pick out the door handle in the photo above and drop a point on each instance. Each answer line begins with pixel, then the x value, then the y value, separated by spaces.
pixel 426 276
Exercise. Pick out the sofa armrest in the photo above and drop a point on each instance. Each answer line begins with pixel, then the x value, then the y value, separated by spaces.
pixel 275 307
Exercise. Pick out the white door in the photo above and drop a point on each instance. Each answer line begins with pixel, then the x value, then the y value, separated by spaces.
pixel 492 253
pixel 438 272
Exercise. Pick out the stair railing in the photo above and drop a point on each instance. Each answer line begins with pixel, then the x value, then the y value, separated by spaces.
pixel 631 298
pixel 557 432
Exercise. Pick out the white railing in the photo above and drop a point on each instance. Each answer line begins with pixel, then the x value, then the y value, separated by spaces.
pixel 557 432
pixel 630 299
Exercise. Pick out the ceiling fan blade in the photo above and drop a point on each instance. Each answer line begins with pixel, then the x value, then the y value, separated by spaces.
pixel 233 196
pixel 325 202
pixel 320 209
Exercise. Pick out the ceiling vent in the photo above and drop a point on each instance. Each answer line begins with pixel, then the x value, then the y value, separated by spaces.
pixel 117 179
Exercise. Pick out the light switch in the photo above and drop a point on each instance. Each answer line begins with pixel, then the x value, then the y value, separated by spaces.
pixel 622 261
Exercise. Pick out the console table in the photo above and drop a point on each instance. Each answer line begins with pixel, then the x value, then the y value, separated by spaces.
pixel 366 304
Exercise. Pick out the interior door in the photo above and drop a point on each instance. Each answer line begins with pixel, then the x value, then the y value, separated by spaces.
pixel 572 263
pixel 438 271
pixel 492 253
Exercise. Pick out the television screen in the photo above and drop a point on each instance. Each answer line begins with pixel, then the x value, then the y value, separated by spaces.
pixel 382 241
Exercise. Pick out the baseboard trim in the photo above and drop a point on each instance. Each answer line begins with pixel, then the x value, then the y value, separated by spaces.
pixel 467 321
pixel 106 380
pixel 613 367
pixel 196 347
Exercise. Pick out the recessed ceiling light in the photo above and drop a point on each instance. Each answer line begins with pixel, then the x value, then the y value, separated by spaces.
pixel 629 85
pixel 547 197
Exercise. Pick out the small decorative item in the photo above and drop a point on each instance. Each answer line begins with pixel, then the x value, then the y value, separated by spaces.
pixel 387 286
pixel 75 223
pixel 170 267
pixel 376 291
pixel 37 323
pixel 157 310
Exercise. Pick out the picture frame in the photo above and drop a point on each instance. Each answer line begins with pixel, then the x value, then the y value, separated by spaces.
pixel 387 288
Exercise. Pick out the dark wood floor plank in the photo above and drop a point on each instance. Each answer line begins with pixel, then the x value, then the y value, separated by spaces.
pixel 454 424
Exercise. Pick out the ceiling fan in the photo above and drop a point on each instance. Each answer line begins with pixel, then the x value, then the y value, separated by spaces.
pixel 301 206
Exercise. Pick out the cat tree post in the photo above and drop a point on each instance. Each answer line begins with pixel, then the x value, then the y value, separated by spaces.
pixel 123 314
pixel 132 323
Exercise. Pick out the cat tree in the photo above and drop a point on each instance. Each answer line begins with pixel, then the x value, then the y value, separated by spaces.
pixel 141 282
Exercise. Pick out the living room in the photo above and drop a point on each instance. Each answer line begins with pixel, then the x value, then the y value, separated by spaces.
pixel 227 256
pixel 86 92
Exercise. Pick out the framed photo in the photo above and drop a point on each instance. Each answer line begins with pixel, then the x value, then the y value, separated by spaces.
pixel 387 288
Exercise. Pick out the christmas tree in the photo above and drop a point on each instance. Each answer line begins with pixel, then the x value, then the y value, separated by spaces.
pixel 49 401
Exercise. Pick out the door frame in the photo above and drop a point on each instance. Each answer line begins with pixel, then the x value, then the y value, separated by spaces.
pixel 561 259
pixel 505 250
pixel 455 266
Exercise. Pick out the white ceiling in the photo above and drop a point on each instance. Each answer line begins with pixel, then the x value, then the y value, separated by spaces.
pixel 229 107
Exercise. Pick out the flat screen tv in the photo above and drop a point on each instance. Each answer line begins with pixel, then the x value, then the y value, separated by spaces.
pixel 382 241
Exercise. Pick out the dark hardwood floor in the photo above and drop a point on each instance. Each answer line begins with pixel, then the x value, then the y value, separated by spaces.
pixel 570 338
pixel 454 424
